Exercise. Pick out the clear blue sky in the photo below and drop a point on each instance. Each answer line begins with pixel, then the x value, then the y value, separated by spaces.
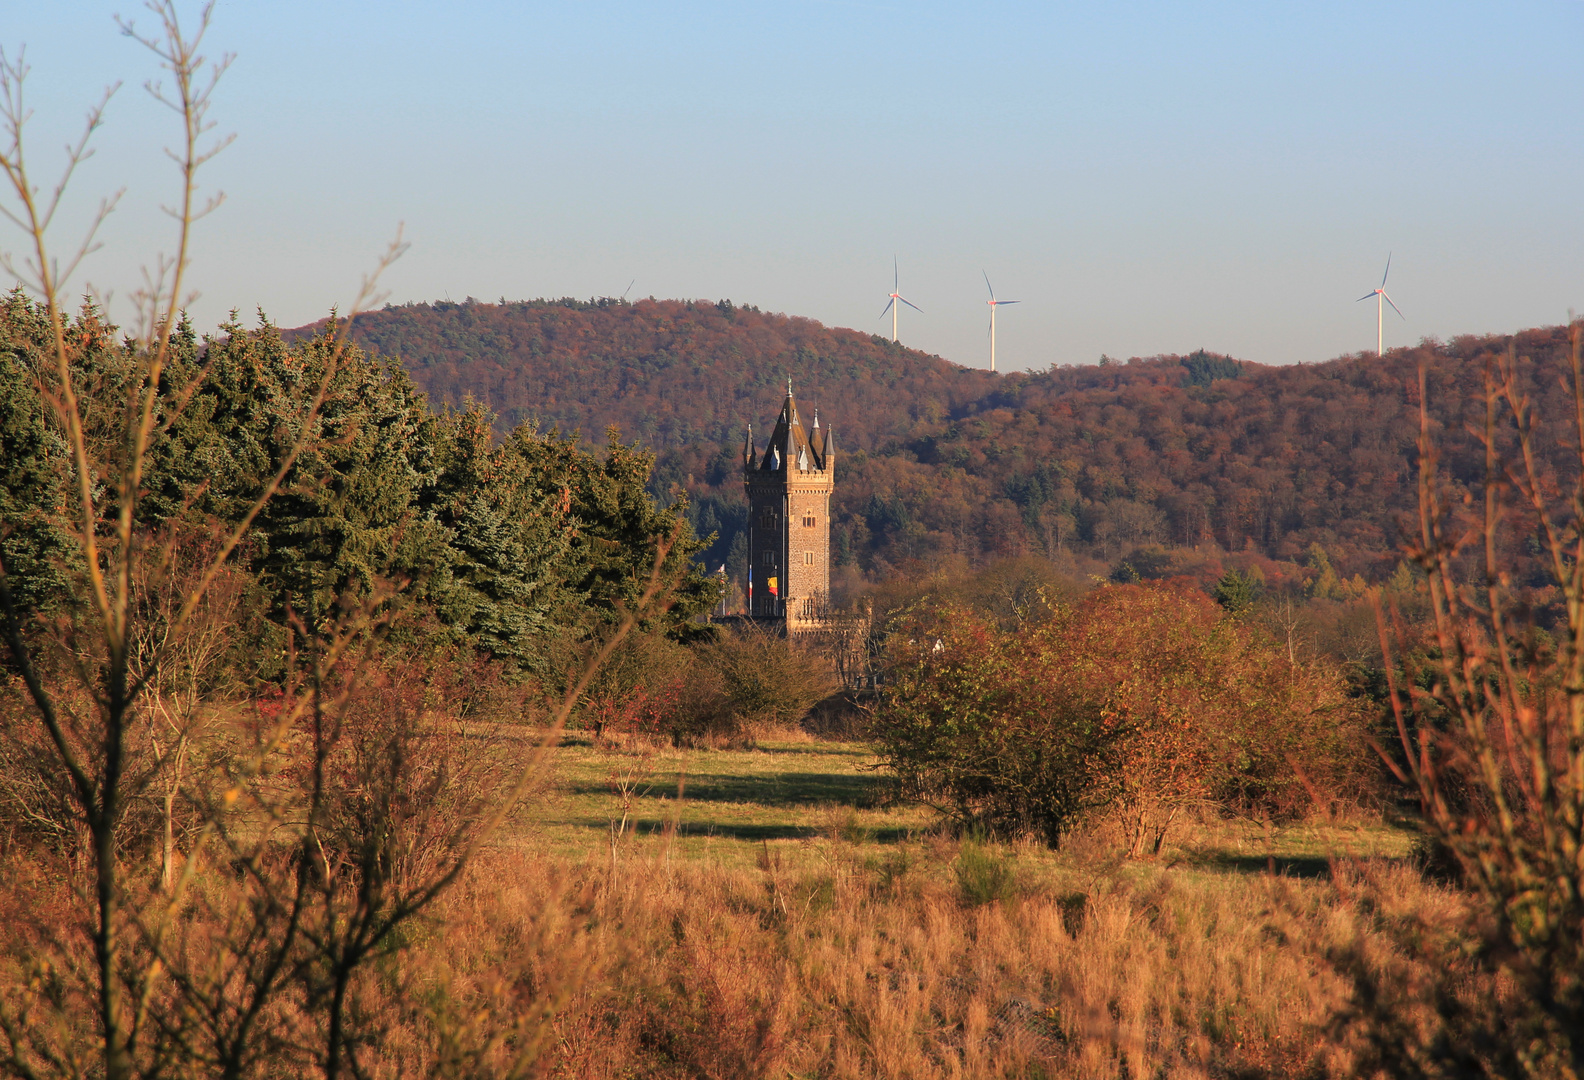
pixel 1145 177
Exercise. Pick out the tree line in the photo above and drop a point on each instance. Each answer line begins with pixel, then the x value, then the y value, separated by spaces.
pixel 505 544
pixel 942 464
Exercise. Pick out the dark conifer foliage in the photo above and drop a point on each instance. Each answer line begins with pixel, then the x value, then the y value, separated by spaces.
pixel 1200 450
pixel 505 541
pixel 32 461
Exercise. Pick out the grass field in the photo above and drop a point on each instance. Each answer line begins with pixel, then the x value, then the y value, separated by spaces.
pixel 766 912
pixel 732 805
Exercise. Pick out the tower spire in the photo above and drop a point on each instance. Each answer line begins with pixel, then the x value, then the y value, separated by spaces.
pixel 789 494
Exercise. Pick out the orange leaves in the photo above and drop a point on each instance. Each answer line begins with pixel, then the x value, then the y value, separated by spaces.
pixel 1141 698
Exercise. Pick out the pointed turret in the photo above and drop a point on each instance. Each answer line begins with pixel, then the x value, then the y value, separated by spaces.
pixel 789 489
pixel 788 443
pixel 792 441
pixel 817 442
pixel 750 455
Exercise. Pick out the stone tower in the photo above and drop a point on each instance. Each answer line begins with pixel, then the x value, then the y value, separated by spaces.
pixel 789 491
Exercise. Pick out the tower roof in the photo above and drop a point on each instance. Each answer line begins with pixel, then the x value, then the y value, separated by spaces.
pixel 789 442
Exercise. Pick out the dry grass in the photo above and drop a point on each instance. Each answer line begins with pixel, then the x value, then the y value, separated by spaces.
pixel 831 958
pixel 779 920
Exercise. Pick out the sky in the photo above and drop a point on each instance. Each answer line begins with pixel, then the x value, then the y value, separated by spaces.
pixel 1143 177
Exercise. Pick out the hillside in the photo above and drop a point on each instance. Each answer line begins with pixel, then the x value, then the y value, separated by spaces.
pixel 1173 461
pixel 669 373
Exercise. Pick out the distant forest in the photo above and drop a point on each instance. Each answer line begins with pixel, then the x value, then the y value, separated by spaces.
pixel 1169 464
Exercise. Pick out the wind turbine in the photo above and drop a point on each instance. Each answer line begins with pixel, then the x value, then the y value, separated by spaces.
pixel 896 297
pixel 994 303
pixel 1380 308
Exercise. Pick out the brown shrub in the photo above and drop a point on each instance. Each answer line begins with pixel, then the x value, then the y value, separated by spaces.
pixel 845 716
pixel 1144 700
pixel 768 679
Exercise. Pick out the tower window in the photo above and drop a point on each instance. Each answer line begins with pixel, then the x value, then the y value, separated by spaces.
pixel 808 521
pixel 808 558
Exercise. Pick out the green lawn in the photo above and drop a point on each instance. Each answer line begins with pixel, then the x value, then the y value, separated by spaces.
pixel 729 803
pixel 734 805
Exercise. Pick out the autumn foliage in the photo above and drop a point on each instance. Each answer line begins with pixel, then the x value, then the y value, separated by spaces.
pixel 941 462
pixel 1141 701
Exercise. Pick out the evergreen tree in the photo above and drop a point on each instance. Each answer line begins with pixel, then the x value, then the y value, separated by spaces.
pixel 505 543
pixel 1322 582
pixel 33 496
pixel 1236 591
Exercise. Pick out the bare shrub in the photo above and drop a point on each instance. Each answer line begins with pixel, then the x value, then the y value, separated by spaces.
pixel 193 666
pixel 638 692
pixel 845 715
pixel 319 826
pixel 767 680
pixel 37 805
pixel 1490 726
pixel 188 661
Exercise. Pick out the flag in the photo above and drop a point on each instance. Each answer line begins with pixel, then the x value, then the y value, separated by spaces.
pixel 772 583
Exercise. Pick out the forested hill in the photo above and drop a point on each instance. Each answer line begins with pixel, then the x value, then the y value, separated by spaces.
pixel 668 372
pixel 1177 463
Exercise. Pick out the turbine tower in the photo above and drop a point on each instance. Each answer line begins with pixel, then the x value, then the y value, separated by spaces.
pixel 994 303
pixel 1381 300
pixel 896 298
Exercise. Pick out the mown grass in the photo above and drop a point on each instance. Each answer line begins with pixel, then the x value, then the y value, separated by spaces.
pixel 729 806
pixel 726 804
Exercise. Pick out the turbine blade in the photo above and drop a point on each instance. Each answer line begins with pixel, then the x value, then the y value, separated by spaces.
pixel 1395 308
pixel 886 309
pixel 1367 296
pixel 911 304
pixel 896 276
pixel 988 285
pixel 1000 302
pixel 1388 270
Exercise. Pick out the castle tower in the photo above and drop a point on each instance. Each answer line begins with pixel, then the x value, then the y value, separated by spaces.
pixel 789 491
